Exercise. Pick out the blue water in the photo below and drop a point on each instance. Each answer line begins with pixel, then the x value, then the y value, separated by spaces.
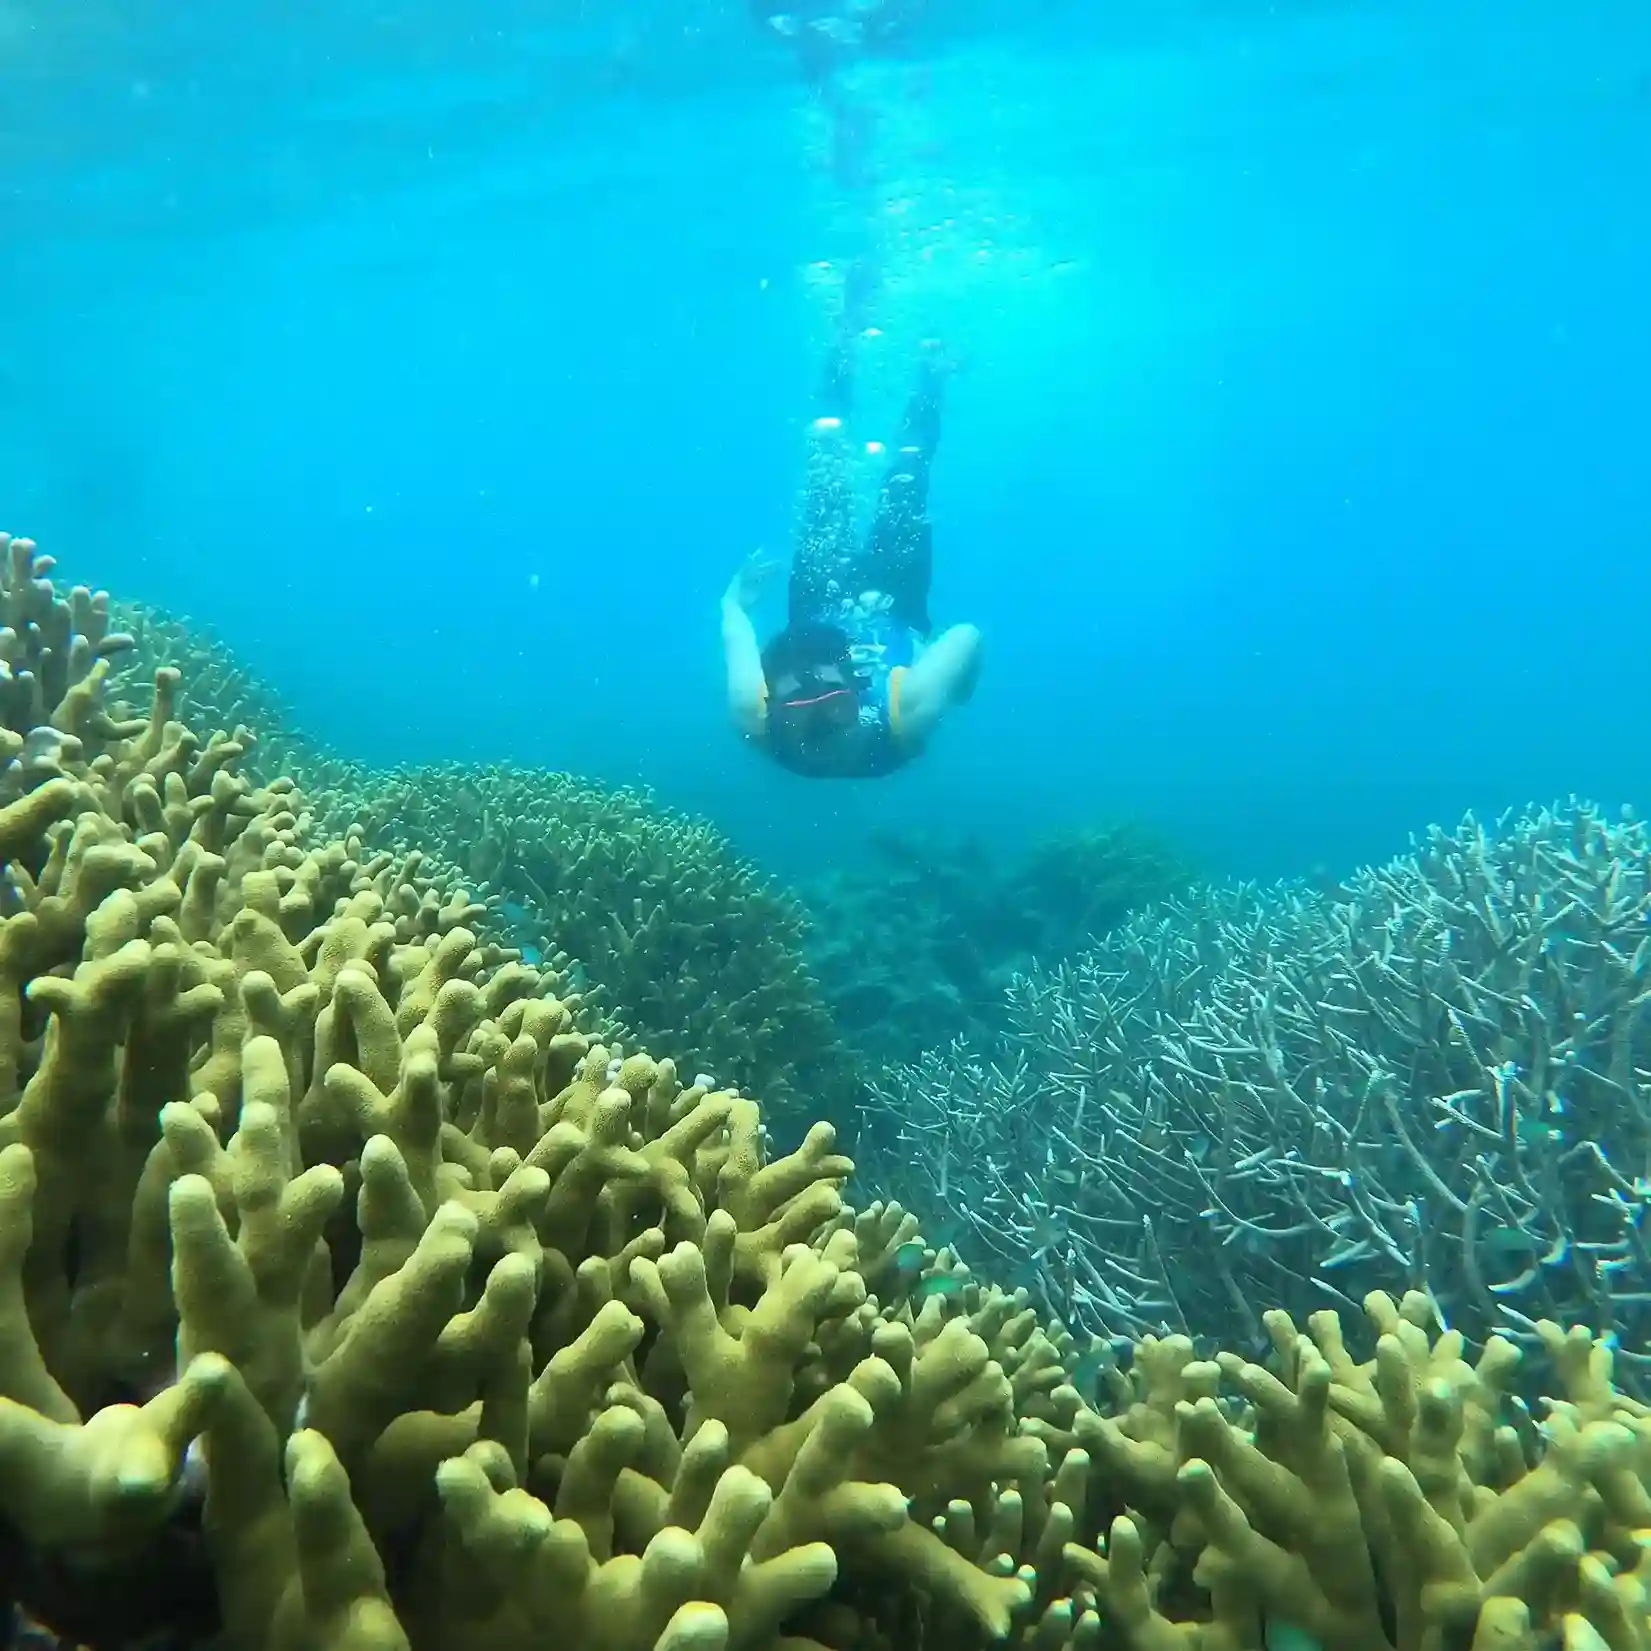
pixel 446 360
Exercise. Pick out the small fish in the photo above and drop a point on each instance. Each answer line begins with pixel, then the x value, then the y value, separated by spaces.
pixel 1286 1636
pixel 909 1258
pixel 1508 1242
pixel 1086 1373
pixel 938 1284
pixel 1025 1274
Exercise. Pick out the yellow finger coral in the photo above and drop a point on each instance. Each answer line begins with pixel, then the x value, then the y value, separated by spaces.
pixel 326 1229
pixel 1385 1505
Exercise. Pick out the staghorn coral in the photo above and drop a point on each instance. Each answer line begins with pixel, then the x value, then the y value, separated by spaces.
pixel 1432 1078
pixel 1051 1170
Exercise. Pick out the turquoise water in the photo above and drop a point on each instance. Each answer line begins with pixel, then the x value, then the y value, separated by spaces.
pixel 447 360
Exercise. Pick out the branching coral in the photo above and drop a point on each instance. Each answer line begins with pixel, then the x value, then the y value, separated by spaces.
pixel 917 946
pixel 1382 1506
pixel 56 652
pixel 353 1297
pixel 1050 1167
pixel 1434 1078
pixel 483 1328
pixel 686 943
pixel 694 947
pixel 216 690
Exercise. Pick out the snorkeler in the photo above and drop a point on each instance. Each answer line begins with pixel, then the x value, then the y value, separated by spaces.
pixel 856 682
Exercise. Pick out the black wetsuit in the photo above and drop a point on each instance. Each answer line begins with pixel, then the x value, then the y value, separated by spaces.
pixel 874 591
pixel 896 557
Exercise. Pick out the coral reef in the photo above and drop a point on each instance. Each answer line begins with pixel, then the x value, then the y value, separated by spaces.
pixel 1434 1078
pixel 1403 1503
pixel 918 946
pixel 686 944
pixel 890 959
pixel 693 946
pixel 213 689
pixel 56 652
pixel 354 1297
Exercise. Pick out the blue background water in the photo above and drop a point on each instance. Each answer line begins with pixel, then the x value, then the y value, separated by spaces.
pixel 447 359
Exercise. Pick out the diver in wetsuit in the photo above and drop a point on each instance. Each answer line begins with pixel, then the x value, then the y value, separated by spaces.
pixel 855 683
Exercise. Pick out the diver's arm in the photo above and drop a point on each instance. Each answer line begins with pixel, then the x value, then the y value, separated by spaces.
pixel 943 676
pixel 747 689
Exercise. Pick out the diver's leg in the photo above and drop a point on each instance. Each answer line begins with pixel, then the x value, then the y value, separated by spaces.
pixel 825 534
pixel 822 567
pixel 899 553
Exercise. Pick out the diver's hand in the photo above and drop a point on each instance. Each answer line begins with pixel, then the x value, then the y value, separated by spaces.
pixel 746 587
